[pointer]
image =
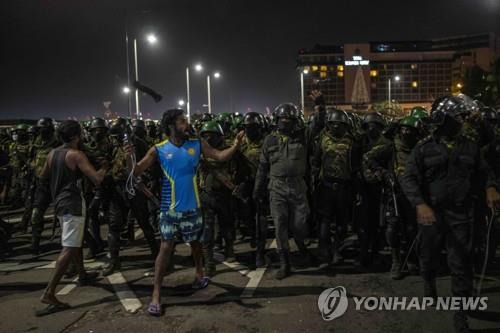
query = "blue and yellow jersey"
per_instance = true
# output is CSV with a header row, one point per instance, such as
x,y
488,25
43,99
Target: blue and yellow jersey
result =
x,y
179,191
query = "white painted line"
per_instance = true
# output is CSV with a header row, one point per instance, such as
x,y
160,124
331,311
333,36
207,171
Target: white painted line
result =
x,y
138,234
18,219
127,297
12,267
91,265
68,288
253,284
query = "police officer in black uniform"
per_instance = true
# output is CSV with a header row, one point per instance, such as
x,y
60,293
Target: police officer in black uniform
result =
x,y
440,180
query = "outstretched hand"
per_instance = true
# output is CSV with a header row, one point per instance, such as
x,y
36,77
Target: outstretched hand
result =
x,y
238,140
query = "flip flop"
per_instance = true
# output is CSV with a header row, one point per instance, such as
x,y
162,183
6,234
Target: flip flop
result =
x,y
201,284
155,309
52,308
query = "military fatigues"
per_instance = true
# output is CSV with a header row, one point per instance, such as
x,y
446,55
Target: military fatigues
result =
x,y
39,153
96,197
386,164
246,178
444,174
19,156
284,160
335,162
369,218
5,169
121,203
216,206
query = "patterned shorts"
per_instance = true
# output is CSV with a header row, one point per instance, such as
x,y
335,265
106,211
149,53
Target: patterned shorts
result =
x,y
189,224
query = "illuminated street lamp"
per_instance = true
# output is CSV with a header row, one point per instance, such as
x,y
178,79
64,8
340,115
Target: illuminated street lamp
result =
x,y
151,39
216,76
181,102
302,73
397,78
126,90
198,67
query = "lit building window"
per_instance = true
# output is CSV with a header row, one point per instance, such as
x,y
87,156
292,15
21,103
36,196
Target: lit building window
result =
x,y
414,84
340,74
373,73
322,75
459,85
324,68
315,68
340,68
307,68
413,66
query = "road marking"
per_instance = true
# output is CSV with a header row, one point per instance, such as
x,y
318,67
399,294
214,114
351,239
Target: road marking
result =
x,y
68,288
18,219
91,265
126,296
254,276
12,267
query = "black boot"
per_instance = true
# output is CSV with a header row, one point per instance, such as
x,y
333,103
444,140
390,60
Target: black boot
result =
x,y
229,251
209,263
111,267
396,273
306,258
260,260
284,269
430,289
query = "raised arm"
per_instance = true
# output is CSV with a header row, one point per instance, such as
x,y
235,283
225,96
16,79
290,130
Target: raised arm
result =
x,y
221,155
147,161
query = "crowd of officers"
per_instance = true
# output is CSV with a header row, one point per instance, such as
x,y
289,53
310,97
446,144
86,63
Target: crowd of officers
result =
x,y
334,175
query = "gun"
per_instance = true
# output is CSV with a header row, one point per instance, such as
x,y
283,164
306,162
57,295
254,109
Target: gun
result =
x,y
236,190
258,235
392,183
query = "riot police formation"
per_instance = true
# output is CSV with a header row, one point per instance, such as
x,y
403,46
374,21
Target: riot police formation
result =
x,y
355,183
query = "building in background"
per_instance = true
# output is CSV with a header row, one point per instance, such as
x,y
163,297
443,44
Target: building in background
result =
x,y
357,75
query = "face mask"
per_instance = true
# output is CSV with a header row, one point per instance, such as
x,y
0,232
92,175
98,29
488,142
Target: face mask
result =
x,y
337,130
408,137
374,131
140,132
98,136
214,140
451,127
46,134
152,132
15,137
286,127
252,133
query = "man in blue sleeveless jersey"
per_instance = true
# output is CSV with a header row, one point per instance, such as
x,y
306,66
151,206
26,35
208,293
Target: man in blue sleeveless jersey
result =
x,y
180,204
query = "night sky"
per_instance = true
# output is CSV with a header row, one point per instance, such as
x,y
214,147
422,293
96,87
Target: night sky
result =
x,y
64,58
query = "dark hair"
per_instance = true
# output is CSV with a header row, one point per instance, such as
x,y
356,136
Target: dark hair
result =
x,y
169,118
68,130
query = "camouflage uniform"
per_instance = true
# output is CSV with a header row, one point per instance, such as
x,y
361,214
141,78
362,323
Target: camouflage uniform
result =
x,y
335,163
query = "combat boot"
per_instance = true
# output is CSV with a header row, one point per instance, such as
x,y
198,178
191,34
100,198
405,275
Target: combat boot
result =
x,y
111,267
284,269
260,260
396,273
209,263
229,251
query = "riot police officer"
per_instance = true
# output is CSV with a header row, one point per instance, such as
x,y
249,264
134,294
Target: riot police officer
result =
x,y
19,154
386,164
253,214
121,200
335,164
45,142
440,180
284,160
215,179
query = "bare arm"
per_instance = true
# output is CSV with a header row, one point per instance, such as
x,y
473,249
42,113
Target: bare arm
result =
x,y
46,167
82,163
147,161
221,155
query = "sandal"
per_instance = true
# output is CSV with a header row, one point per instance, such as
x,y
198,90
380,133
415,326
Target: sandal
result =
x,y
155,309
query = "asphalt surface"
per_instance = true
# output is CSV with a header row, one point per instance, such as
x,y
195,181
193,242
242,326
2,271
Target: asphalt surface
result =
x,y
240,297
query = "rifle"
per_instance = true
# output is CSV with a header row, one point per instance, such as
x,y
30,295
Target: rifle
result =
x,y
258,235
236,190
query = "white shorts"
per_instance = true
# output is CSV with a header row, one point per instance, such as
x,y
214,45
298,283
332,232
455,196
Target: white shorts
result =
x,y
73,228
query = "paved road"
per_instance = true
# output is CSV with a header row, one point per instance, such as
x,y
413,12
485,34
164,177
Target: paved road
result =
x,y
239,299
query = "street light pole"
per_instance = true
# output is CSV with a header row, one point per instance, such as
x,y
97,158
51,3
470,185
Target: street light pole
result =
x,y
128,72
389,90
302,90
188,104
137,111
208,94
